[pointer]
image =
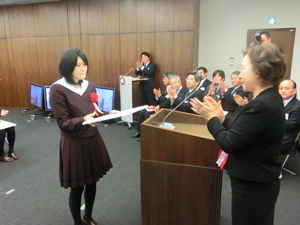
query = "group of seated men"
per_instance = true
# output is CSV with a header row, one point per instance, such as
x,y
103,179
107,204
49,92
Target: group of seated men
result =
x,y
172,95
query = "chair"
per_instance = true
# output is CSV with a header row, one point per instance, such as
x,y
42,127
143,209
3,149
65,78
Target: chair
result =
x,y
294,151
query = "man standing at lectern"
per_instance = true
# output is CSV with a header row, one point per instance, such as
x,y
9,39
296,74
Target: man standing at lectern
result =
x,y
146,69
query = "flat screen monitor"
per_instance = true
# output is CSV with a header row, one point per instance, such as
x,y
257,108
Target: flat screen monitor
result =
x,y
47,98
106,101
36,96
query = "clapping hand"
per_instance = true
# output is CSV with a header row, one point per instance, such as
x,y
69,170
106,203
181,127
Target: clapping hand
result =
x,y
139,64
4,112
157,92
208,109
223,86
240,101
211,89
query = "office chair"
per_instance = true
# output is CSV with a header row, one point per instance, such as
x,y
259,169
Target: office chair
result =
x,y
294,151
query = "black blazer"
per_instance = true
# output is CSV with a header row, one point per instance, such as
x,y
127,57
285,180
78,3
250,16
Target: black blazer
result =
x,y
163,95
292,125
147,72
253,137
228,102
186,105
180,97
205,87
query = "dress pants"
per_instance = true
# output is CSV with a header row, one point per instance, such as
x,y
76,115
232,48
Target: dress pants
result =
x,y
143,115
253,203
148,98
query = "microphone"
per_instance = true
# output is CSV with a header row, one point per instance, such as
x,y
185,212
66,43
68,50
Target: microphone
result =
x,y
170,125
128,71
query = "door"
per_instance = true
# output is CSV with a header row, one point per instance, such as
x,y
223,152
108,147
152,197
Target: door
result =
x,y
283,38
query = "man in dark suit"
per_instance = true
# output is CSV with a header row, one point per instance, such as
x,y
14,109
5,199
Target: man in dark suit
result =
x,y
160,96
204,83
176,87
192,82
287,90
217,88
228,102
146,69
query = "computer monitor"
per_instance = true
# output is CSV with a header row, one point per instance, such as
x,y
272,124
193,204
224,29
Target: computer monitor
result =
x,y
37,96
47,98
106,101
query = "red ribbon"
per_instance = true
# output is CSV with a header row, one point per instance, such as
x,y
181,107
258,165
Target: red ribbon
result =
x,y
94,98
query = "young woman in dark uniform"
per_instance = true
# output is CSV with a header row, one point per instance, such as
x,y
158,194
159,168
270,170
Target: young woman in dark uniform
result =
x,y
83,156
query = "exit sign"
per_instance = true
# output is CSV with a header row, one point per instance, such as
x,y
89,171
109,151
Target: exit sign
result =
x,y
272,21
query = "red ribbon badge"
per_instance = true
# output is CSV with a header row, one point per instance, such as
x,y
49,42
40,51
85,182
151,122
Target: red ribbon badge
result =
x,y
94,99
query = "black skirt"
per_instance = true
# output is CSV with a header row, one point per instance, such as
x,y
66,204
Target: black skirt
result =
x,y
82,160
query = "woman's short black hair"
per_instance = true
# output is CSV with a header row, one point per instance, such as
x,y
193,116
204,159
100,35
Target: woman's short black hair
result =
x,y
68,63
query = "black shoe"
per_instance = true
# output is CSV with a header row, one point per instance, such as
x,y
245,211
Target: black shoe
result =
x,y
136,135
138,139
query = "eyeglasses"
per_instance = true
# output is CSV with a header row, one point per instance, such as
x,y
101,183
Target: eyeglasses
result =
x,y
175,82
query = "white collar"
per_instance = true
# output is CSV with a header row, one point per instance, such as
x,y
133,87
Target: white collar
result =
x,y
71,87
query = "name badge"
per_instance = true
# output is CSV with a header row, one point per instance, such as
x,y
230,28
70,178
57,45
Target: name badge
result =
x,y
222,159
202,88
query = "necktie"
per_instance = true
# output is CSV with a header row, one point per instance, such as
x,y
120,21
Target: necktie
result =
x,y
187,94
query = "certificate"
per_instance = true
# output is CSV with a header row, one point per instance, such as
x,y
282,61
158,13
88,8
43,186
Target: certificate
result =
x,y
113,116
4,124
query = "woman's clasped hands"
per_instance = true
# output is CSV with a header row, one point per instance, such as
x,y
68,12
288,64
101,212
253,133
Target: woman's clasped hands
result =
x,y
208,109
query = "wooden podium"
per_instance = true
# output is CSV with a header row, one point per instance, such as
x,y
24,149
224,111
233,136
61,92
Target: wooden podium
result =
x,y
180,181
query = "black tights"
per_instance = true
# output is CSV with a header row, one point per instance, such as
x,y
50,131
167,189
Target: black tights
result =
x,y
75,202
11,136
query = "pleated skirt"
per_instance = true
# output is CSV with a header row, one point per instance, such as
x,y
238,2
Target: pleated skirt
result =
x,y
82,160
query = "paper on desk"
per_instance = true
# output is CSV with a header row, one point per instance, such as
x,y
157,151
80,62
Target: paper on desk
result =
x,y
4,124
113,116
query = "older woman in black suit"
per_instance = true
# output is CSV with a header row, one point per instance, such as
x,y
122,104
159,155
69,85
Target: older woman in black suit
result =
x,y
251,139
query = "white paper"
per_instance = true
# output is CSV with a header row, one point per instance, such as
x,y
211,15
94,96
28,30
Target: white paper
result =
x,y
4,124
113,116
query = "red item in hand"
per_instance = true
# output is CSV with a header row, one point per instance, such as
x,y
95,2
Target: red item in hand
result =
x,y
94,98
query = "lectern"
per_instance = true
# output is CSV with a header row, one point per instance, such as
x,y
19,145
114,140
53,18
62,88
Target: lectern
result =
x,y
180,181
126,96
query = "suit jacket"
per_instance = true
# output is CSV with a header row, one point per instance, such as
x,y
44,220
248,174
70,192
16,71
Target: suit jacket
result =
x,y
147,72
205,87
167,104
186,105
253,137
217,95
163,95
228,102
292,125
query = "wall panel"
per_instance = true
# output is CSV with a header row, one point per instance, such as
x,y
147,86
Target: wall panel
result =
x,y
103,16
164,54
184,15
183,58
145,15
21,21
164,15
73,17
49,57
2,26
128,16
51,19
8,86
26,66
75,41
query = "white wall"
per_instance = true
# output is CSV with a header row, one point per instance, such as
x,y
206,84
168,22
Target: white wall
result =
x,y
224,25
